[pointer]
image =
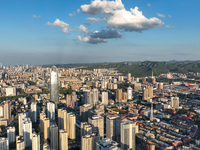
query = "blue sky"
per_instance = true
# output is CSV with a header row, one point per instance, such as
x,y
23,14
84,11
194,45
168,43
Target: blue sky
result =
x,y
48,31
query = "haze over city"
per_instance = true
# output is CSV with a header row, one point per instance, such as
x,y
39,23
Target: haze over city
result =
x,y
57,32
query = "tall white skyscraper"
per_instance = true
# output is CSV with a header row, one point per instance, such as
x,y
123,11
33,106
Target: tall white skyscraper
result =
x,y
34,112
51,110
105,98
4,145
129,93
27,132
11,134
35,141
21,117
54,88
128,131
95,95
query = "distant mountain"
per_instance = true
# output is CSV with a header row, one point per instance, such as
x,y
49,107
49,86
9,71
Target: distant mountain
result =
x,y
139,69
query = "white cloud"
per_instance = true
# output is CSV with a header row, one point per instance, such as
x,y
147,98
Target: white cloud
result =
x,y
60,24
36,16
118,17
161,15
106,34
88,39
93,19
170,27
83,28
169,16
72,14
78,10
149,5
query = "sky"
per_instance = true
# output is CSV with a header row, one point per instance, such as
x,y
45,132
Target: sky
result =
x,y
39,32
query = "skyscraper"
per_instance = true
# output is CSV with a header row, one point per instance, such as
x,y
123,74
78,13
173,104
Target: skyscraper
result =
x,y
11,134
97,123
21,117
51,111
85,112
129,77
7,111
63,140
86,128
20,143
27,132
88,142
129,91
54,136
104,98
4,145
34,112
118,96
72,124
113,127
1,111
35,141
128,131
54,88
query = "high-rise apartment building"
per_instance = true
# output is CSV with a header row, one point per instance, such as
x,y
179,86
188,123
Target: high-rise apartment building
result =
x,y
27,132
113,127
1,111
128,131
68,100
35,141
4,145
174,102
129,77
20,143
51,111
85,112
54,136
88,142
54,91
7,111
21,117
71,118
124,97
44,126
34,112
63,140
97,123
104,98
129,93
11,134
118,96
147,92
86,128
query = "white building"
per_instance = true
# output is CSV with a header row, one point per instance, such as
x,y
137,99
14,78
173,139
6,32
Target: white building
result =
x,y
106,144
27,132
21,117
105,98
129,93
11,91
34,112
11,134
35,141
51,110
4,145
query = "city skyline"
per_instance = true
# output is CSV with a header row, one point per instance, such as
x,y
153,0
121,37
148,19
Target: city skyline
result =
x,y
64,32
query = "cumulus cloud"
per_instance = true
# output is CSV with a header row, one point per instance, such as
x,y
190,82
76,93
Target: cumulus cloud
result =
x,y
106,34
83,28
36,16
161,15
118,17
88,39
60,24
93,19
100,36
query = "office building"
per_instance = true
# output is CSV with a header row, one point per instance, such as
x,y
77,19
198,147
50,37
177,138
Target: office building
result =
x,y
113,127
34,112
129,93
35,141
97,123
51,111
85,112
20,143
104,98
128,131
54,89
4,145
54,136
63,140
11,134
